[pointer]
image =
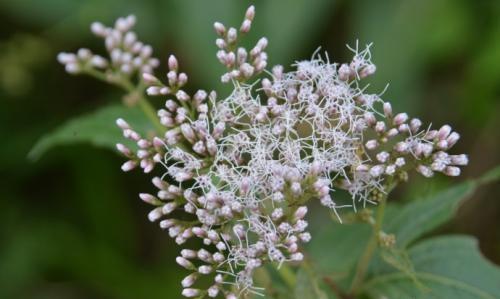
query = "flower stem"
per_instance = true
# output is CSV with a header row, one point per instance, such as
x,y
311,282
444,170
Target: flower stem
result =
x,y
365,260
288,276
150,112
314,280
138,90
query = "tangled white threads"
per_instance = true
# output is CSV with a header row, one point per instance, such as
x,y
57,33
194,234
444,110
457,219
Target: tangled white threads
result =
x,y
240,170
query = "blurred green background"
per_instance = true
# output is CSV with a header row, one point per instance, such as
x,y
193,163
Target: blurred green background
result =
x,y
71,223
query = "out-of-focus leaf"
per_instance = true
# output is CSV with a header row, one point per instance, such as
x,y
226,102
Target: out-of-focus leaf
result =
x,y
335,250
97,128
420,217
490,176
449,267
307,286
95,202
398,258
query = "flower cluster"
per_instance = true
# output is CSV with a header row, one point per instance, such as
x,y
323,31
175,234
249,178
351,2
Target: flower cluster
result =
x,y
238,171
127,55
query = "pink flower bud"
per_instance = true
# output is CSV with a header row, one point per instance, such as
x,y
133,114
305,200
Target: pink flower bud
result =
x,y
250,13
392,132
452,139
232,35
123,149
129,165
191,293
150,199
401,147
155,214
371,144
219,28
150,79
380,127
153,91
300,213
344,72
459,160
189,280
98,29
370,118
245,26
415,125
173,64
452,171
205,269
400,118
443,132
213,291
387,109
425,171
377,170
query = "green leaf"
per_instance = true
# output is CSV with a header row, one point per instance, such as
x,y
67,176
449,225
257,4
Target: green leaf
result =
x,y
97,128
337,247
304,287
398,258
491,176
420,217
307,286
449,267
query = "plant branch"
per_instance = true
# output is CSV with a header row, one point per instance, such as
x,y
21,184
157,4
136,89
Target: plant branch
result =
x,y
314,279
336,289
365,260
150,112
288,276
135,90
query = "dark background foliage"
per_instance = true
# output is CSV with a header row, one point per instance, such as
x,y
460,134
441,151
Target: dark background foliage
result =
x,y
71,223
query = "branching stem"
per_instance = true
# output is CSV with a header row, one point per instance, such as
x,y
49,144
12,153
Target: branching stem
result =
x,y
135,90
366,258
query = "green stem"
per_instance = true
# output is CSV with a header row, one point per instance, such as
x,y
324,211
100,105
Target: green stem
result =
x,y
288,276
150,112
314,279
365,260
138,90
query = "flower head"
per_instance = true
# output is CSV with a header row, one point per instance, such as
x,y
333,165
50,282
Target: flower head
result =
x,y
242,168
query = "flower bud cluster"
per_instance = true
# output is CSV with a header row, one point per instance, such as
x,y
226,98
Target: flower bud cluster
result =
x,y
239,171
242,64
398,144
127,55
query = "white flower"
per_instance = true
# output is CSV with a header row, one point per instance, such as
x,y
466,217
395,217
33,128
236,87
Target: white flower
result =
x,y
242,168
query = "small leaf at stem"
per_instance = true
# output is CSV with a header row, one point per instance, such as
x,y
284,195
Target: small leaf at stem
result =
x,y
97,128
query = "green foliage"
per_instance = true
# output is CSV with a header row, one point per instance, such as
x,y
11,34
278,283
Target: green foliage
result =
x,y
337,247
449,267
97,128
422,216
110,273
490,176
398,258
307,285
72,240
442,267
